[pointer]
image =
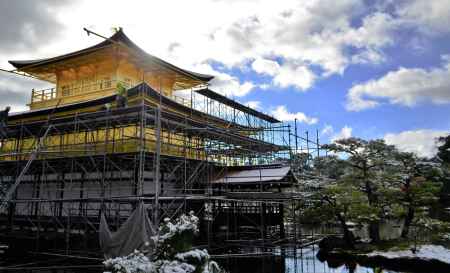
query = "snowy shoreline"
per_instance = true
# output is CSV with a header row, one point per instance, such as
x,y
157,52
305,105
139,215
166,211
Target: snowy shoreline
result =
x,y
424,252
427,258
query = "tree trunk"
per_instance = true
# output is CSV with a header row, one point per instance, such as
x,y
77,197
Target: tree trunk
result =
x,y
410,216
408,220
348,235
374,231
374,226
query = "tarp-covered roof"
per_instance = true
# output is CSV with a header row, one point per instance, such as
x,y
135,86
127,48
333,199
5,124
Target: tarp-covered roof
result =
x,y
255,174
232,103
119,37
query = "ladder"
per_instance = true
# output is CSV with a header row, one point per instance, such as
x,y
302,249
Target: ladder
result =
x,y
33,155
37,148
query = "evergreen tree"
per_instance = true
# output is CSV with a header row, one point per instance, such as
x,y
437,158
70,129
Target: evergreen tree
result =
x,y
375,182
419,183
444,149
366,160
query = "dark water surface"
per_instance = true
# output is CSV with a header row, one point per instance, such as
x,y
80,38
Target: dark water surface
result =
x,y
284,261
301,261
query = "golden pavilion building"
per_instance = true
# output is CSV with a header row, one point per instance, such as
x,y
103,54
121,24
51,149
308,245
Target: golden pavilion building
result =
x,y
175,146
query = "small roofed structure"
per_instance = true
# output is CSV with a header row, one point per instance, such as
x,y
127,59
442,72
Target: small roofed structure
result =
x,y
252,176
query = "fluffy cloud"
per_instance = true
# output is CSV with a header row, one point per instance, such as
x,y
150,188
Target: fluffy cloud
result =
x,y
281,113
25,24
421,142
345,132
326,35
296,34
224,83
298,76
432,17
230,86
327,130
253,104
264,66
405,86
285,75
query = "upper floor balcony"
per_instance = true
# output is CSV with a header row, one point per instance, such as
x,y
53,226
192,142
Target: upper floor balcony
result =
x,y
67,94
72,93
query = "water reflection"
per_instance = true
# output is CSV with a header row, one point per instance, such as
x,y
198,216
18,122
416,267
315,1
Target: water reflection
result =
x,y
294,261
286,260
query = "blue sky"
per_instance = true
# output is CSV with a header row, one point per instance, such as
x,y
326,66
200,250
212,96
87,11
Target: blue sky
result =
x,y
370,69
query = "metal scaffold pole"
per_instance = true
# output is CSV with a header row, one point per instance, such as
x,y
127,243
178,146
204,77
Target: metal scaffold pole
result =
x,y
296,136
157,163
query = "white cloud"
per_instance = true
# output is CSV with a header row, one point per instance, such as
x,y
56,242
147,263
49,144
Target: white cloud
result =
x,y
264,66
281,113
295,32
405,86
345,132
327,130
298,34
254,104
264,86
288,74
431,16
298,76
226,84
421,142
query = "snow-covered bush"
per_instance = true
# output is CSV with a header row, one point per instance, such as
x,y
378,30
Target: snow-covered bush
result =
x,y
176,237
173,254
175,266
136,262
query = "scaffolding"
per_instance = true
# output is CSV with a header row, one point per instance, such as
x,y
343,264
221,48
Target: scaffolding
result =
x,y
107,161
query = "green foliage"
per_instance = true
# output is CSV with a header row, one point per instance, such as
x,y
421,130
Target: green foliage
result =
x,y
376,182
300,161
330,166
444,149
120,89
176,237
346,201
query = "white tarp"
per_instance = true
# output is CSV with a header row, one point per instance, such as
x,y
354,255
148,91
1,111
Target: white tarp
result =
x,y
135,233
254,175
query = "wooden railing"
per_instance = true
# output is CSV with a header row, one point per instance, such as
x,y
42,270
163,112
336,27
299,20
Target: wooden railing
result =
x,y
181,100
74,90
43,95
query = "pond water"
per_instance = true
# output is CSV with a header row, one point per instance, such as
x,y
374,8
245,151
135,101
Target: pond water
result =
x,y
284,261
301,261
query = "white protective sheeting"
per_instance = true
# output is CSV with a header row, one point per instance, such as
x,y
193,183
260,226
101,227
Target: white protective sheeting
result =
x,y
254,175
135,233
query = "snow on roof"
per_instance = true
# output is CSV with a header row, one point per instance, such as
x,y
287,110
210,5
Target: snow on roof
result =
x,y
254,175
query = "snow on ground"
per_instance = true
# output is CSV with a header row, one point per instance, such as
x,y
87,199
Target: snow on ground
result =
x,y
184,262
134,263
197,254
425,252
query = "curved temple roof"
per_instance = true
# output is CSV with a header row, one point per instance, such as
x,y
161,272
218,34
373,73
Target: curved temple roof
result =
x,y
118,37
